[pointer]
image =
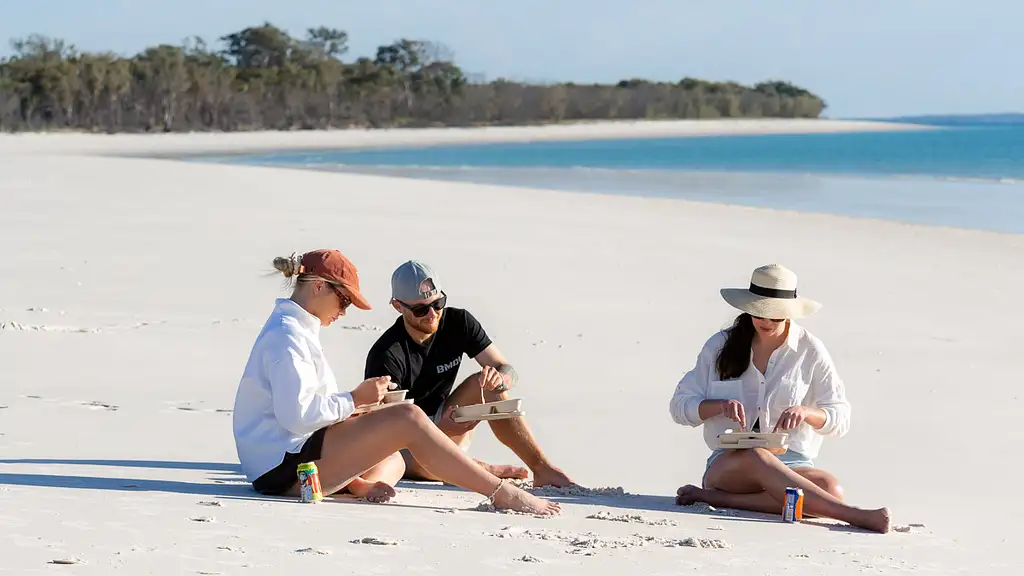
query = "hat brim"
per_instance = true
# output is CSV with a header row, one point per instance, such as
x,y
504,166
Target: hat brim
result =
x,y
765,307
358,300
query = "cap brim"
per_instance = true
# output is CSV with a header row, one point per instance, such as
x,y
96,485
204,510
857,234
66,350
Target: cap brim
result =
x,y
764,307
358,300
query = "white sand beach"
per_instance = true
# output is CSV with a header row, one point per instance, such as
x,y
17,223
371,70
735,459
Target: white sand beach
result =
x,y
173,144
131,290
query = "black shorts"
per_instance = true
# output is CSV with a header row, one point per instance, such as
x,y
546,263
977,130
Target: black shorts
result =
x,y
285,475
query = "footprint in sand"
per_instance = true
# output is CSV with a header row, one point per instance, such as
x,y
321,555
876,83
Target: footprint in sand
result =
x,y
588,543
530,559
692,542
363,328
908,528
98,404
375,541
210,503
631,519
203,519
19,327
187,407
312,551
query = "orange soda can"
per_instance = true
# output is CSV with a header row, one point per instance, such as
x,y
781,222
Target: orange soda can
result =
x,y
793,511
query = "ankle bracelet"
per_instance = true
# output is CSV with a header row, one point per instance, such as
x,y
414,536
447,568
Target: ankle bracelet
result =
x,y
493,494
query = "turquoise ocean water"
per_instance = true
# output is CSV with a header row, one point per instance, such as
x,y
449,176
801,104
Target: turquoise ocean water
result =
x,y
968,176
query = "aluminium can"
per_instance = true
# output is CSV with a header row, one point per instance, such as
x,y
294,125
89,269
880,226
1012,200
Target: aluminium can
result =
x,y
309,483
793,511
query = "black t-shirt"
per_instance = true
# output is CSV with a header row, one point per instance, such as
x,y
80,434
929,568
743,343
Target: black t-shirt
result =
x,y
428,370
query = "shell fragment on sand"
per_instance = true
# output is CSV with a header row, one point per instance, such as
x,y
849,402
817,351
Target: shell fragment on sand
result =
x,y
67,561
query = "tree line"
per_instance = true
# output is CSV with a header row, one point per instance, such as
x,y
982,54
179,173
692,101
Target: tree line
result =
x,y
262,78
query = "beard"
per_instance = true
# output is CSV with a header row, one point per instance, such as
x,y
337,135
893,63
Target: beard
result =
x,y
426,325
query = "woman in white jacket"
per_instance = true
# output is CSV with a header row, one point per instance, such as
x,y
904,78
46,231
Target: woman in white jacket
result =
x,y
289,410
768,374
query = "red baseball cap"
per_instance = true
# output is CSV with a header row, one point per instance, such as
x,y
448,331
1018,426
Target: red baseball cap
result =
x,y
333,266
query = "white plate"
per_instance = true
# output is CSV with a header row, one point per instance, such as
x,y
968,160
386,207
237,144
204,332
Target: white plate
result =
x,y
476,410
496,416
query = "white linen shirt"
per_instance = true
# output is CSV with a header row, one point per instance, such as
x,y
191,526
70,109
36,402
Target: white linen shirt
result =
x,y
800,372
287,391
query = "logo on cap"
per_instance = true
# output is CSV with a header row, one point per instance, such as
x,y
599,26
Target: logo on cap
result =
x,y
414,280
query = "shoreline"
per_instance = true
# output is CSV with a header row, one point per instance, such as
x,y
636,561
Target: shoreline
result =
x,y
886,198
186,144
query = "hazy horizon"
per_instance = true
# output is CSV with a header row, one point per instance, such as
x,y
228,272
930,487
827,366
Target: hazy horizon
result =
x,y
867,59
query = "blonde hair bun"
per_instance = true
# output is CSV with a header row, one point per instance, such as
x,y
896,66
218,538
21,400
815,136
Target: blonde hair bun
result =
x,y
289,266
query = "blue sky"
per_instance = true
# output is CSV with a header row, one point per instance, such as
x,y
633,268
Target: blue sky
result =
x,y
865,57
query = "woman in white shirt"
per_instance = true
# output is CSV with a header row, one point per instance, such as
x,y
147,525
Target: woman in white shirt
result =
x,y
289,410
768,374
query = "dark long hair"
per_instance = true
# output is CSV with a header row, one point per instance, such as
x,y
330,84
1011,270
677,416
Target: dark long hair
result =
x,y
734,357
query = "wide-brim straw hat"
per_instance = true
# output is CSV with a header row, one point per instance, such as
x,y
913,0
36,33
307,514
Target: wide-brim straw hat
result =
x,y
771,294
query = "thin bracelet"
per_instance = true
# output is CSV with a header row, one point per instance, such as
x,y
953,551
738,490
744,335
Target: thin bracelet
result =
x,y
491,497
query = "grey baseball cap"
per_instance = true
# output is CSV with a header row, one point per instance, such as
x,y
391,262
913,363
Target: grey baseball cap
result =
x,y
414,280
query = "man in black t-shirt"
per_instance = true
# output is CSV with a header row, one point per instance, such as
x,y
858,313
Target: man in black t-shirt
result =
x,y
422,353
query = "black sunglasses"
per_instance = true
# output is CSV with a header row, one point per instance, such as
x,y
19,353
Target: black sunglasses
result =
x,y
345,301
420,310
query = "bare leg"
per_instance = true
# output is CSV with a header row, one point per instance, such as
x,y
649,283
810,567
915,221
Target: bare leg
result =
x,y
466,394
377,484
748,472
355,445
760,501
414,471
513,433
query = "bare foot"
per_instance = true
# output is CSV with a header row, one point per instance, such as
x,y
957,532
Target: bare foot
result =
x,y
688,494
512,498
550,476
378,492
876,520
506,471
